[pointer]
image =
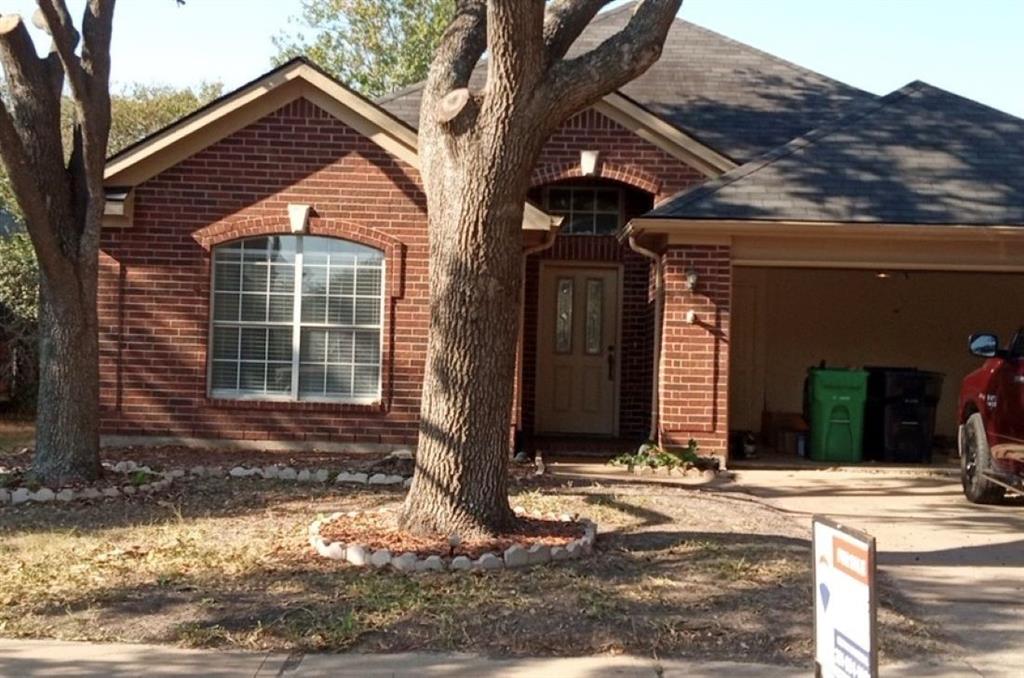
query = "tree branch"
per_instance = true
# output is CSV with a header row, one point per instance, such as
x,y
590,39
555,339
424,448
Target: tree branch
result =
x,y
57,21
458,53
516,49
574,84
564,21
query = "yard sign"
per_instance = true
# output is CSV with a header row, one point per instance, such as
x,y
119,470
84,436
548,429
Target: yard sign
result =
x,y
845,643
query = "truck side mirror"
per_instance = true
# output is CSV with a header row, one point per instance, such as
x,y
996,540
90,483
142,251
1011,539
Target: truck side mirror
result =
x,y
984,345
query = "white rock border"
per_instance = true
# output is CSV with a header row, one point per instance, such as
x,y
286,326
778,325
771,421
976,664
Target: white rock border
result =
x,y
515,556
163,479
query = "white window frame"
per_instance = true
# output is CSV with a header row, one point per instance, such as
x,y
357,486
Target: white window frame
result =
x,y
574,188
296,326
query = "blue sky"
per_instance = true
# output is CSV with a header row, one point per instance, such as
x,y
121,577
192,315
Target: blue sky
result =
x,y
972,48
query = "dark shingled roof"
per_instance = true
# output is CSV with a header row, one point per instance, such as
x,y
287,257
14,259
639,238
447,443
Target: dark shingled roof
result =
x,y
920,155
738,100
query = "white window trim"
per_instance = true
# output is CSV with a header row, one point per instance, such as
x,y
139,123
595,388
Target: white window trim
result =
x,y
296,325
585,187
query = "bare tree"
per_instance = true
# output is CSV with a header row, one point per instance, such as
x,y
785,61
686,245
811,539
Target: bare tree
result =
x,y
477,151
61,197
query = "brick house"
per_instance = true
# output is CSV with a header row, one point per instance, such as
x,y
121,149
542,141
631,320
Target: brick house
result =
x,y
264,261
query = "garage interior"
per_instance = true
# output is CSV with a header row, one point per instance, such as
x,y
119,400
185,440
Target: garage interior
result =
x,y
788,319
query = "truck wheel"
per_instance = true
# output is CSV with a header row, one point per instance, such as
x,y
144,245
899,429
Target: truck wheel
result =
x,y
975,461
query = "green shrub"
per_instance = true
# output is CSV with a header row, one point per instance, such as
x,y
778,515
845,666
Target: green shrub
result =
x,y
650,455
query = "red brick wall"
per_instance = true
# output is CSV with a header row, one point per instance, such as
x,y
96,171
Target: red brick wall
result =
x,y
625,159
695,363
155,278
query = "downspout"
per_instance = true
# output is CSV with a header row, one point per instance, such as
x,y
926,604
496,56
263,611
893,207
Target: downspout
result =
x,y
659,303
549,240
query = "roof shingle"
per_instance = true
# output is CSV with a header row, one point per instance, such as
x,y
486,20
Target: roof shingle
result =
x,y
920,155
738,100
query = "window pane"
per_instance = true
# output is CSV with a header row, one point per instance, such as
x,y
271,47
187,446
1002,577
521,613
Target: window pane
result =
x,y
254,308
314,309
339,310
366,381
342,281
254,278
280,308
225,306
225,375
225,343
314,280
367,347
559,199
254,343
368,282
606,223
311,380
252,376
279,344
595,315
581,223
583,200
339,346
313,346
279,377
282,279
282,249
608,201
227,277
563,317
339,380
367,311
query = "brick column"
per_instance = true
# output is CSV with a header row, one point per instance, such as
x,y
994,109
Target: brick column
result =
x,y
695,356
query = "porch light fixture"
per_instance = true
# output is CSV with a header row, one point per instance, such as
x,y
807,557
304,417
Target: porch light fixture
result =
x,y
691,279
588,162
882,275
298,216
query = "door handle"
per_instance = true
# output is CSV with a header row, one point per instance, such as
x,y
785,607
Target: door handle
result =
x,y
611,363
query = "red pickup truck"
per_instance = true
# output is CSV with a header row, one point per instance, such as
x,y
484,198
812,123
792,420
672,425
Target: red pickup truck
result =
x,y
992,421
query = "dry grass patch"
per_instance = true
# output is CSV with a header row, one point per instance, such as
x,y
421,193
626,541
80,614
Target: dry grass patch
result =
x,y
226,563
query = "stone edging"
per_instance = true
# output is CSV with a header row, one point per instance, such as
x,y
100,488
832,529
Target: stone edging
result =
x,y
163,479
515,556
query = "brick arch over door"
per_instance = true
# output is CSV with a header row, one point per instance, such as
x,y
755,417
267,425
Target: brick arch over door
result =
x,y
631,176
220,233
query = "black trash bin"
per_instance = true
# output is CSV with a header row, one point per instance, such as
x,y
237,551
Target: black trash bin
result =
x,y
899,419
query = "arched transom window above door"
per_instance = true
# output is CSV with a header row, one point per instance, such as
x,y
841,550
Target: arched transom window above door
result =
x,y
296,318
588,210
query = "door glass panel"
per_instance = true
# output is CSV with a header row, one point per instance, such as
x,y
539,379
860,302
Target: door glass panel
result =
x,y
563,316
595,311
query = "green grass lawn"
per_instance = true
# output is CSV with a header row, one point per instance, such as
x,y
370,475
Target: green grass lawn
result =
x,y
15,434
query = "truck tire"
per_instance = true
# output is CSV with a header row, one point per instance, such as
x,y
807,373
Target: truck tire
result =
x,y
975,461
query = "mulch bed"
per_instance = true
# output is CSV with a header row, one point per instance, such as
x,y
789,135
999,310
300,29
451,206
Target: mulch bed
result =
x,y
380,531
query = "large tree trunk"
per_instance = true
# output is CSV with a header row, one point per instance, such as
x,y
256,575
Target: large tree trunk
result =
x,y
477,151
475,221
61,195
67,420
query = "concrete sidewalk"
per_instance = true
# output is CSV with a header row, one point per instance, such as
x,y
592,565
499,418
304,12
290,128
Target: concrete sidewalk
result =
x,y
58,658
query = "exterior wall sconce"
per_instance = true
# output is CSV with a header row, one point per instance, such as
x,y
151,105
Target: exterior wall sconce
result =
x,y
691,279
588,162
298,216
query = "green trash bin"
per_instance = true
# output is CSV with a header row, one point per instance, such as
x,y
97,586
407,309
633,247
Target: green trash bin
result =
x,y
836,401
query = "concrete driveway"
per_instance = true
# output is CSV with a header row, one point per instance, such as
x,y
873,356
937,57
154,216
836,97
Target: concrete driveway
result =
x,y
962,563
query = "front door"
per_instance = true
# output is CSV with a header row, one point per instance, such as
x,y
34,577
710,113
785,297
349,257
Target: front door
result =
x,y
578,350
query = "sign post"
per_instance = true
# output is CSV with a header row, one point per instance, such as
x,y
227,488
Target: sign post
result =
x,y
845,601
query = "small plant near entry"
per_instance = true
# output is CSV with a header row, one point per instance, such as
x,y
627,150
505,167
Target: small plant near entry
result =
x,y
653,456
140,477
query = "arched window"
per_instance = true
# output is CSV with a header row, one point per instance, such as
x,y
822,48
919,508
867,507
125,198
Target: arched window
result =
x,y
296,318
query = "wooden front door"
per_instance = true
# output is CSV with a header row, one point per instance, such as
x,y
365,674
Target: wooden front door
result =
x,y
578,350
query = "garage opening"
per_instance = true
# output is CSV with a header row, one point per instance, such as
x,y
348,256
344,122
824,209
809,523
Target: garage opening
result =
x,y
788,320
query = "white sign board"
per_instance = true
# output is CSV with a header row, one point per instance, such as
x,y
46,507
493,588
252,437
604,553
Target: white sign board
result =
x,y
844,602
